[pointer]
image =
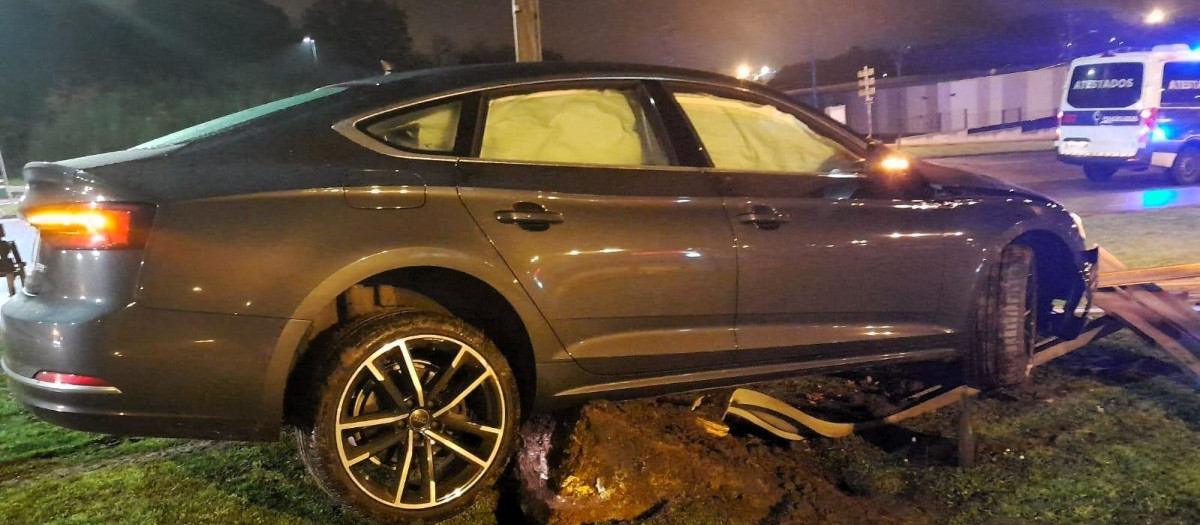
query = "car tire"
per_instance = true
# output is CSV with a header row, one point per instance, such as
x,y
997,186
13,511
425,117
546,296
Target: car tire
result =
x,y
372,435
1006,322
1186,170
1099,173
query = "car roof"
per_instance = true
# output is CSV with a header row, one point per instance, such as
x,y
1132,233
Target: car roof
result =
x,y
430,81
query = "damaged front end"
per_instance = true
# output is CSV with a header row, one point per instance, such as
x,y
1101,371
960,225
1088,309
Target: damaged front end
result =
x,y
1068,323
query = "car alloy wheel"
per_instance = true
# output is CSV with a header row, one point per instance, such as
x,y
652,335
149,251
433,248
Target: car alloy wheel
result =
x,y
414,415
420,421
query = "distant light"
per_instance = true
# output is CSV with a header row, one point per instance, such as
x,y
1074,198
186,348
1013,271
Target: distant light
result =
x,y
1156,17
895,163
1092,72
743,71
1113,39
765,70
308,40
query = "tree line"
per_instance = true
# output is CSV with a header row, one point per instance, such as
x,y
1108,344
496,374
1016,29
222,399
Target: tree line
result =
x,y
82,77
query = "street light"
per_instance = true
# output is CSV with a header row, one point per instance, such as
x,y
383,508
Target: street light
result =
x,y
1156,17
312,45
763,74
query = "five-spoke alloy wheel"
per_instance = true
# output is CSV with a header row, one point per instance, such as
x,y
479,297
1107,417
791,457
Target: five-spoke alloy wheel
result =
x,y
416,416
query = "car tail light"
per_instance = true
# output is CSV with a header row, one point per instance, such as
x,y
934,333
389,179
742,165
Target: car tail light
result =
x,y
1149,119
92,226
60,378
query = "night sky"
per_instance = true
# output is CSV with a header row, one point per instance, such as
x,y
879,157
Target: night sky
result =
x,y
719,34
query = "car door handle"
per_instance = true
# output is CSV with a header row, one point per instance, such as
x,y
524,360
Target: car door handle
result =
x,y
529,216
764,217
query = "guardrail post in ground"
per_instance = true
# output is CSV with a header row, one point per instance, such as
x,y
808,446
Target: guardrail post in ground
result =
x,y
966,433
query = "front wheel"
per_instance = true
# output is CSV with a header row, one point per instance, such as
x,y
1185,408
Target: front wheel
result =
x,y
1099,173
415,414
1186,170
1006,322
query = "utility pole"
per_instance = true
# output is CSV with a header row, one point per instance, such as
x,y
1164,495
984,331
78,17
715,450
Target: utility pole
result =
x,y
866,90
527,30
812,51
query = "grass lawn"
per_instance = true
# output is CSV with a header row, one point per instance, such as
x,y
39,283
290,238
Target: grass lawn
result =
x,y
979,148
1150,238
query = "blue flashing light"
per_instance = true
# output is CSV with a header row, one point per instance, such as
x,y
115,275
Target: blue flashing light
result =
x,y
1159,198
1159,134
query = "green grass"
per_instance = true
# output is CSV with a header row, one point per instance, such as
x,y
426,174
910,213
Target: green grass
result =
x,y
980,148
1148,238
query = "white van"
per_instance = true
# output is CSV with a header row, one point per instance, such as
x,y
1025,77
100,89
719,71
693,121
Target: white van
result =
x,y
1133,110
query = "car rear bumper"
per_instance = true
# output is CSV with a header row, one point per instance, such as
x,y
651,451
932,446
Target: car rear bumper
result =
x,y
173,374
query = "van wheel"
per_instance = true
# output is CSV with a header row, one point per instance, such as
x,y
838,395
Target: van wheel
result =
x,y
1099,173
415,415
1006,322
1186,170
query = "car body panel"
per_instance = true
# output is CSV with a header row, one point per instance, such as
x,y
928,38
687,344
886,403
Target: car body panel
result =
x,y
641,257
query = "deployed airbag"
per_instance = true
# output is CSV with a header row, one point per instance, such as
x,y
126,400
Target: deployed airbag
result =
x,y
581,126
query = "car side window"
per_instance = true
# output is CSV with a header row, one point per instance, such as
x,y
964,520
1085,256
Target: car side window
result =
x,y
748,136
573,126
431,129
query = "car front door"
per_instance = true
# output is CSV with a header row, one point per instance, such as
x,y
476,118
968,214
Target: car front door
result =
x,y
628,255
828,262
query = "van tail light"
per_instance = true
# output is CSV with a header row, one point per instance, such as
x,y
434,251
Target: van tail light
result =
x,y
1058,134
92,226
1149,120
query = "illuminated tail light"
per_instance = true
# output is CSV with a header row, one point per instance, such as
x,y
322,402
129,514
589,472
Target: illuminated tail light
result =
x,y
1149,119
92,226
60,378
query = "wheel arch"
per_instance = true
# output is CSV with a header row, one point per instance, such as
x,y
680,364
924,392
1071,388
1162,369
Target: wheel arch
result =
x,y
482,294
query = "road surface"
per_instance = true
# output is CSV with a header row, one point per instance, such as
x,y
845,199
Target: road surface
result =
x,y
1128,191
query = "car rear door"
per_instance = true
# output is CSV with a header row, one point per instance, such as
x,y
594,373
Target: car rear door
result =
x,y
828,263
628,255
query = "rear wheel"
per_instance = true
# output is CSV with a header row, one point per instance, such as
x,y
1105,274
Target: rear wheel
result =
x,y
415,414
1099,173
1186,170
1006,322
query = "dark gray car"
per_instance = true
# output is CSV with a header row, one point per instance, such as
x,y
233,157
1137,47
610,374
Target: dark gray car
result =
x,y
402,267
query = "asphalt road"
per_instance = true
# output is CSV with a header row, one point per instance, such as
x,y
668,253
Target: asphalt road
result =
x,y
1128,191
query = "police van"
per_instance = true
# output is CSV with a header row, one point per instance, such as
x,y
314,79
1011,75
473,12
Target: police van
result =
x,y
1133,110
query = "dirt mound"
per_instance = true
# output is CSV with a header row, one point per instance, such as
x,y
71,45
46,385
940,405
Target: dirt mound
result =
x,y
654,461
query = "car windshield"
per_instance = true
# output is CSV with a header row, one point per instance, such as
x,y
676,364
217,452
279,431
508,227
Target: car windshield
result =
x,y
1097,86
218,125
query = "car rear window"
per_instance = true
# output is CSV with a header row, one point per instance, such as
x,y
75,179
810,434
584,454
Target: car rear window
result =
x,y
232,120
1113,85
1181,84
